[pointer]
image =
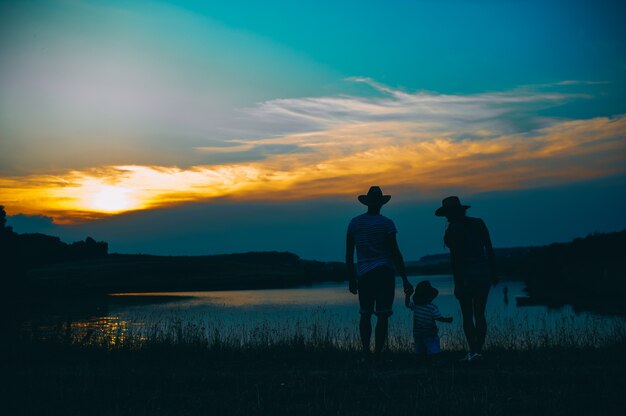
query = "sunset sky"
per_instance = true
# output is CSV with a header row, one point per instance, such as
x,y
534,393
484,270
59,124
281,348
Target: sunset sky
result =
x,y
198,127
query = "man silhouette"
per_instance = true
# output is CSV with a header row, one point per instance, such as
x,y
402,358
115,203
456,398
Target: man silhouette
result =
x,y
379,258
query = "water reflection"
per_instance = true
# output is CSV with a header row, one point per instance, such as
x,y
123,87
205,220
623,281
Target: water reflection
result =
x,y
298,297
324,313
106,330
109,331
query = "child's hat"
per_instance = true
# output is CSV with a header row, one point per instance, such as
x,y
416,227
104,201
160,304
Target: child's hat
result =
x,y
424,292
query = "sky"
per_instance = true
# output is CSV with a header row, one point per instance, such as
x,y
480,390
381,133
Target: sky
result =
x,y
197,127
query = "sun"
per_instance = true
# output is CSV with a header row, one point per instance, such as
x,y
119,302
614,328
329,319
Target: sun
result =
x,y
112,199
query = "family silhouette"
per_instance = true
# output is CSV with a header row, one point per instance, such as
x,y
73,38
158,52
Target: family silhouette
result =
x,y
379,260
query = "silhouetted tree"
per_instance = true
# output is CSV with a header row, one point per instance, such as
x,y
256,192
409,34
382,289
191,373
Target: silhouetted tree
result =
x,y
88,249
590,270
11,260
21,251
39,249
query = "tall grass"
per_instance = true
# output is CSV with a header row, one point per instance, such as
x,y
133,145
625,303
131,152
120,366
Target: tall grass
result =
x,y
310,366
323,330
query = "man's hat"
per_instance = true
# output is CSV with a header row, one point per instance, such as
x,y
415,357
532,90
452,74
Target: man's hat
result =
x,y
374,197
450,204
424,292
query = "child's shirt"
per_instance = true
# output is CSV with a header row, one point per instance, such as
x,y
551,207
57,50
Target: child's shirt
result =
x,y
424,319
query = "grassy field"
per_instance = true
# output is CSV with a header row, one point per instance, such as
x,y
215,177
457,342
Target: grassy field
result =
x,y
183,373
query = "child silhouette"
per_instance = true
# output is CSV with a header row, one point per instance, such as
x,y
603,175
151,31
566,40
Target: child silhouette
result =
x,y
425,332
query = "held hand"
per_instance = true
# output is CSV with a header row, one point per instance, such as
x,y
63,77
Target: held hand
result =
x,y
408,288
352,286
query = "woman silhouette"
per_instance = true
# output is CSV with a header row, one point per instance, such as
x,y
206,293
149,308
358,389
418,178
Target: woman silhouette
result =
x,y
473,268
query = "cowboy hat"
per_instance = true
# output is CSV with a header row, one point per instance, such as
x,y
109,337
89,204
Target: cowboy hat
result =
x,y
374,197
450,204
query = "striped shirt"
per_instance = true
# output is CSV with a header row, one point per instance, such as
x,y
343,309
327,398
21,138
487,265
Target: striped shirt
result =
x,y
424,319
370,233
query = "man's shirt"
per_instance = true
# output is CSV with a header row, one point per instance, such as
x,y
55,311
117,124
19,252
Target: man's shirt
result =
x,y
371,234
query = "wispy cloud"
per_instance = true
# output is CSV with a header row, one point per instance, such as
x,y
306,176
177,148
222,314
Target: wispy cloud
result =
x,y
339,145
581,82
449,110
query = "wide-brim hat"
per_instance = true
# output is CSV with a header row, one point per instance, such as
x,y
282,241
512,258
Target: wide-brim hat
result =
x,y
424,292
450,204
374,197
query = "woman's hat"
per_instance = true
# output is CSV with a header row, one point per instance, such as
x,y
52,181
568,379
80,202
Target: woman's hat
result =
x,y
374,197
424,292
450,204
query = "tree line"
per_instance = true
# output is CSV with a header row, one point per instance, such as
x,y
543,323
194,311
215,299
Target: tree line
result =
x,y
586,269
20,252
583,271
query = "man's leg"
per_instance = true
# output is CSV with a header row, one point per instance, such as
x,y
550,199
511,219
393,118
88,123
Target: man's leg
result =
x,y
380,336
365,328
366,302
385,291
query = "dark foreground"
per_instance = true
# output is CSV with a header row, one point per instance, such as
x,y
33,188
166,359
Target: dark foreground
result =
x,y
193,380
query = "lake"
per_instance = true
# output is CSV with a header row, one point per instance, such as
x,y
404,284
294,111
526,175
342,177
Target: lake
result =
x,y
326,312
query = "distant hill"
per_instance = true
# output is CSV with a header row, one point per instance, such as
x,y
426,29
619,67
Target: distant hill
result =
x,y
440,263
145,273
39,263
588,270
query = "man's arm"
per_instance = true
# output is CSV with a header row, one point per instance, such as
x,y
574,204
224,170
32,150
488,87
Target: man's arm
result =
x,y
398,261
447,319
407,300
352,285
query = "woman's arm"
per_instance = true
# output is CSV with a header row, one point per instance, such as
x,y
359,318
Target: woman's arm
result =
x,y
491,258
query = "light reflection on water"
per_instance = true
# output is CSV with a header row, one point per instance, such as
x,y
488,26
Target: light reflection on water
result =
x,y
330,312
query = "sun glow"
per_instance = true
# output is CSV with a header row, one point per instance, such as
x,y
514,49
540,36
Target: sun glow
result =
x,y
112,199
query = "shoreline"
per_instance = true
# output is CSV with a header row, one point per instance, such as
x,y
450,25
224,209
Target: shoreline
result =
x,y
37,295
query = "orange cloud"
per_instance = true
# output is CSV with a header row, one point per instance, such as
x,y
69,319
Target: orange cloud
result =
x,y
341,160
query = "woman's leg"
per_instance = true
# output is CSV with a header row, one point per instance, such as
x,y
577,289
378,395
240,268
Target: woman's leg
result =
x,y
469,328
480,303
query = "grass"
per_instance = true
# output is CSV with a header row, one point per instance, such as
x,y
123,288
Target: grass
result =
x,y
186,379
319,328
267,370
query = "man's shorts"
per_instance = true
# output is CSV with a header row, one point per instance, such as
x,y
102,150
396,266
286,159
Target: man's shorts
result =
x,y
426,345
377,289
